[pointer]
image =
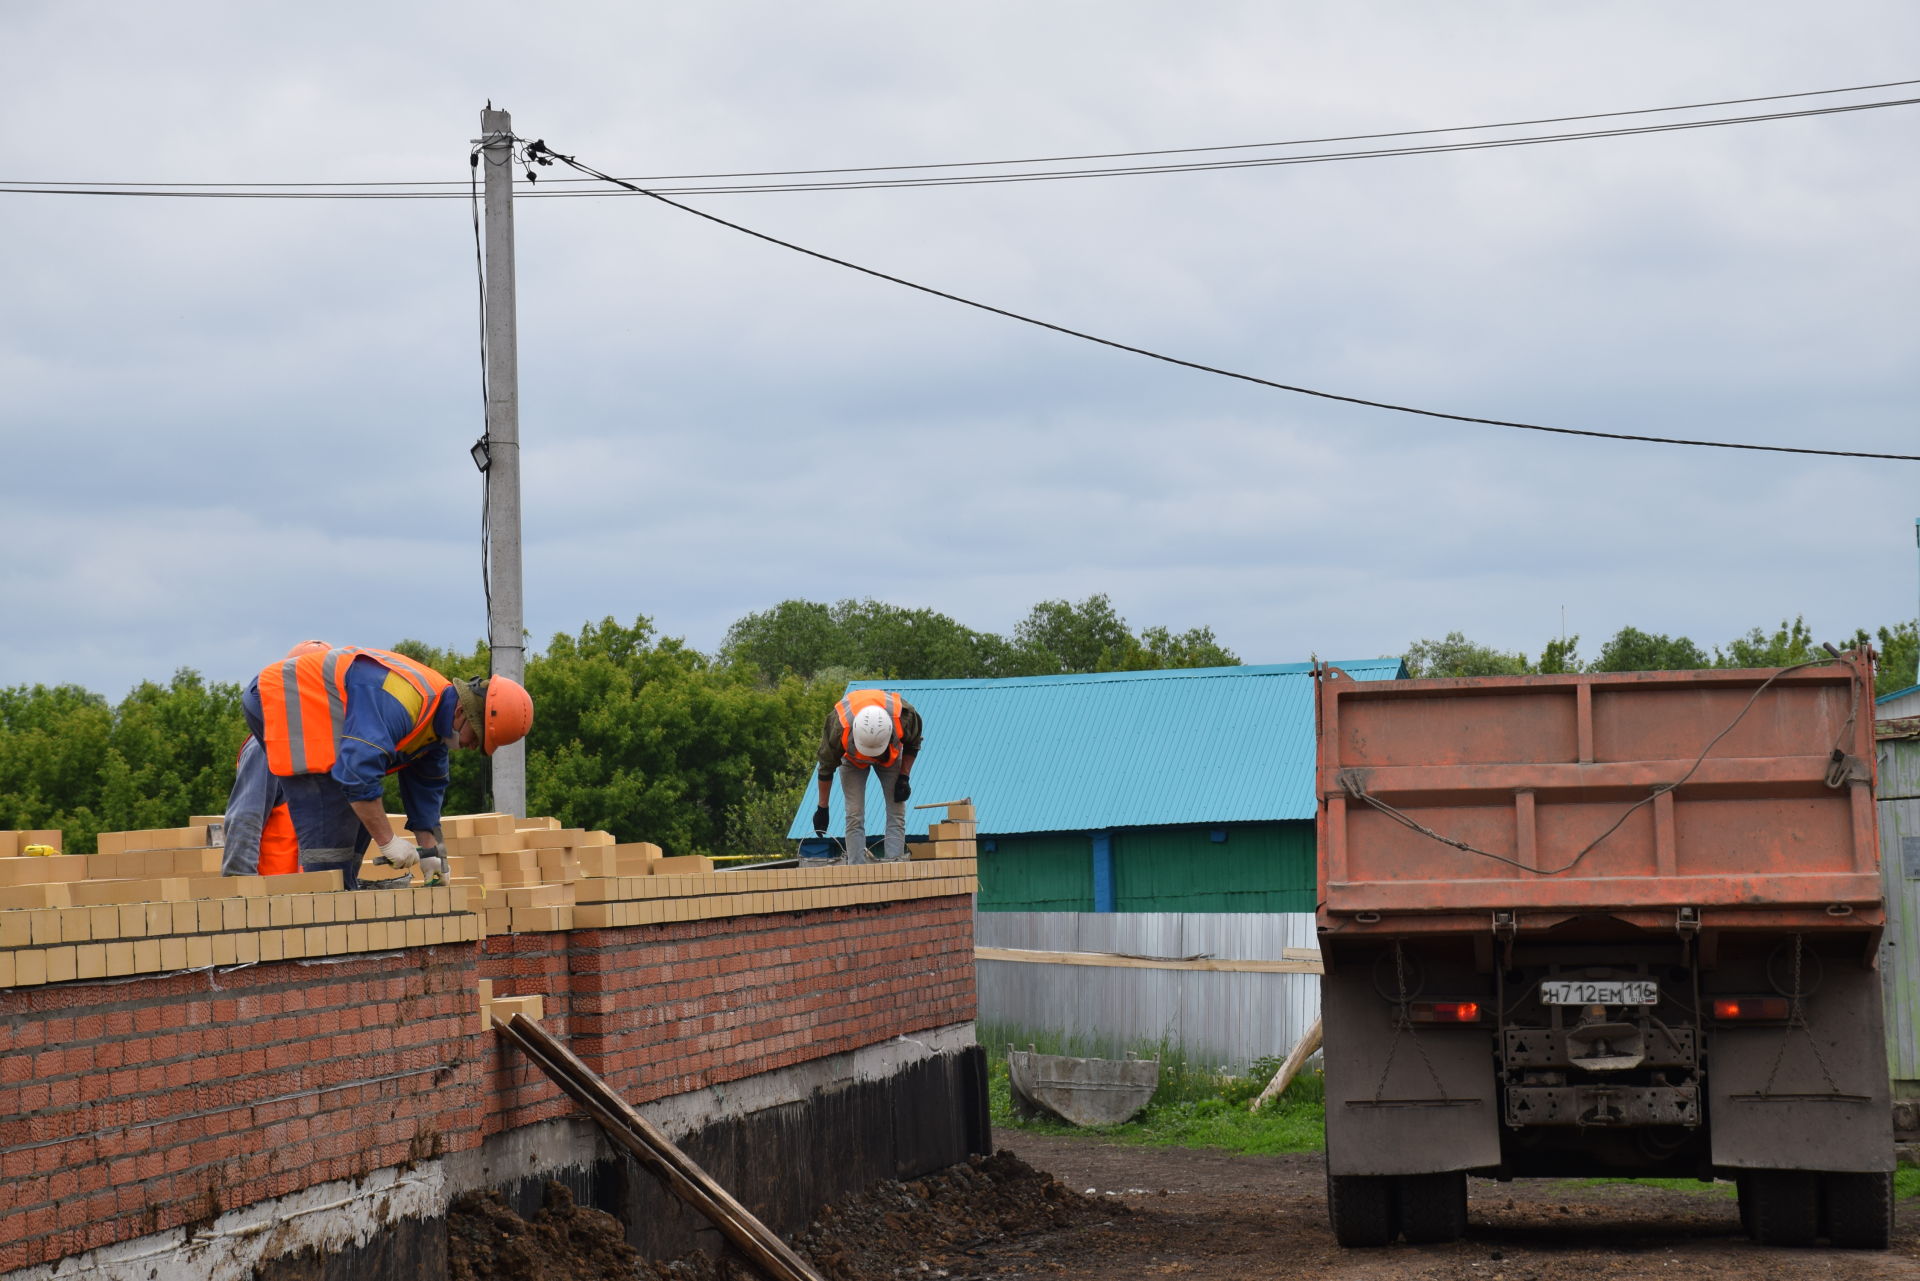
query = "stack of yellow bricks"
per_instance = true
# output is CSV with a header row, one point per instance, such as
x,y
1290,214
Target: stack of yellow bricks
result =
x,y
154,902
522,875
953,838
531,876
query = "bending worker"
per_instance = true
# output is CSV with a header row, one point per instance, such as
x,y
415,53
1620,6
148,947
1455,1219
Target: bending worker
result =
x,y
334,723
869,730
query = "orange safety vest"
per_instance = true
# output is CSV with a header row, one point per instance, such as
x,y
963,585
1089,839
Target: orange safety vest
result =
x,y
303,705
279,847
850,706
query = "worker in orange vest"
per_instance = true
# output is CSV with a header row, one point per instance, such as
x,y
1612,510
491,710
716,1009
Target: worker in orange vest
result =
x,y
869,731
333,723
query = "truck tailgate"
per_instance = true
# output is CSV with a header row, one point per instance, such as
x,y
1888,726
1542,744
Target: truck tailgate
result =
x,y
1565,789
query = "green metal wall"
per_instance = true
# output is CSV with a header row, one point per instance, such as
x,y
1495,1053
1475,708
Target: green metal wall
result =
x,y
1260,867
1047,872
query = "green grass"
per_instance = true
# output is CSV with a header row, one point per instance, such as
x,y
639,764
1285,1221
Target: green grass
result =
x,y
1906,1182
1196,1105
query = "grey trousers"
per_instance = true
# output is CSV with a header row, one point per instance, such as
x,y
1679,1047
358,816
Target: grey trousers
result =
x,y
853,793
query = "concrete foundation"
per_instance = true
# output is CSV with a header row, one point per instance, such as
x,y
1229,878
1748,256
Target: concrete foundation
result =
x,y
783,1142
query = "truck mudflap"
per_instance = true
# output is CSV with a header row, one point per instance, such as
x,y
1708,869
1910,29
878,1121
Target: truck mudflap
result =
x,y
1809,1092
1403,1099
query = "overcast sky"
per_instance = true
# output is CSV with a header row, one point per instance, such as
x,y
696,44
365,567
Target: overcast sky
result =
x,y
228,425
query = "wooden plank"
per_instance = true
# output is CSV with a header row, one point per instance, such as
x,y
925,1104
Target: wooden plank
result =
x,y
657,1153
1288,965
1296,1058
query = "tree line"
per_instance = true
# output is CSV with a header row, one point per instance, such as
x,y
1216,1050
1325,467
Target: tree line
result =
x,y
636,733
1632,650
651,739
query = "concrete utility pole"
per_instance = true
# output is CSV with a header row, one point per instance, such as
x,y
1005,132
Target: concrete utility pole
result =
x,y
506,623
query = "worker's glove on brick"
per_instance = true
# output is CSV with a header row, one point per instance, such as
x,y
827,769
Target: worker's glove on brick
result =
x,y
902,789
399,852
433,869
820,821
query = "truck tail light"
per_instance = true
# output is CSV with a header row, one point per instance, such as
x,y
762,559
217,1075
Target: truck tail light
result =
x,y
1730,1008
1444,1011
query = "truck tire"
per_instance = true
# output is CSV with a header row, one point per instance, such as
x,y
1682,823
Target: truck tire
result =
x,y
1859,1210
1433,1207
1743,1189
1786,1206
1361,1209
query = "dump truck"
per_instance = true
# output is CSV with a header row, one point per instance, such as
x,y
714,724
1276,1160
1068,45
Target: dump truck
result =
x,y
1603,925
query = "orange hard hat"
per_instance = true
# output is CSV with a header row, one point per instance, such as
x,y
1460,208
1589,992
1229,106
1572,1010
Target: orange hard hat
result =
x,y
307,647
508,712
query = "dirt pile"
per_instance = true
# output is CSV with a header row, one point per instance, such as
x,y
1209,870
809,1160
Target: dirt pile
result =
x,y
920,1228
487,1241
909,1229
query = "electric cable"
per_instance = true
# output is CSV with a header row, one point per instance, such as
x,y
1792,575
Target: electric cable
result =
x,y
486,430
417,191
538,149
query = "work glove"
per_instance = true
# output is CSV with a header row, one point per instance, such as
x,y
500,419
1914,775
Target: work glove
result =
x,y
902,789
433,868
820,821
399,852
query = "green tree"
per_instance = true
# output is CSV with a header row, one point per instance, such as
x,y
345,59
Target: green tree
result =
x,y
1058,637
1455,655
1561,655
1632,650
1788,644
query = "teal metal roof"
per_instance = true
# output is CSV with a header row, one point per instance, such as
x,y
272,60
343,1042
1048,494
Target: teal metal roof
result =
x,y
1112,749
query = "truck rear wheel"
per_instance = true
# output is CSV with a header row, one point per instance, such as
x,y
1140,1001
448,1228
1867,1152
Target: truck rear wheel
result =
x,y
1785,1206
1433,1207
1361,1209
1859,1210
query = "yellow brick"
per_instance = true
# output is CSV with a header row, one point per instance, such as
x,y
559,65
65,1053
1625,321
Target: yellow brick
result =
x,y
119,959
273,945
357,937
76,924
280,910
226,949
416,933
160,918
45,926
233,914
303,909
63,966
259,913
207,916
331,908
103,922
7,973
173,952
13,897
30,968
199,952
336,939
304,883
246,948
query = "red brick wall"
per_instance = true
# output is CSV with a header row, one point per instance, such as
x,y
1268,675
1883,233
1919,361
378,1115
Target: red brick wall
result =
x,y
134,1107
130,1107
661,1010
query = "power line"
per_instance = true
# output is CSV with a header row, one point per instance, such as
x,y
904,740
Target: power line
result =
x,y
428,189
541,153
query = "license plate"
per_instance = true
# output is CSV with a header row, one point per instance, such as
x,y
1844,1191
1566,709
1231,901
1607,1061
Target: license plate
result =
x,y
1600,992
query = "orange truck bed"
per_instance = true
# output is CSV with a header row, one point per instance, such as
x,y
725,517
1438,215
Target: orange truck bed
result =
x,y
1739,799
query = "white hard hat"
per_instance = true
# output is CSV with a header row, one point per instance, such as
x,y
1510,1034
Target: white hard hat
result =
x,y
872,731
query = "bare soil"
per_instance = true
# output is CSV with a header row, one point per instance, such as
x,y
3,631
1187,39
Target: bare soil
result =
x,y
1079,1209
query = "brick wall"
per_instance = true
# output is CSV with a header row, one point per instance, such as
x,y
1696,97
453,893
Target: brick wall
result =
x,y
133,1106
136,1106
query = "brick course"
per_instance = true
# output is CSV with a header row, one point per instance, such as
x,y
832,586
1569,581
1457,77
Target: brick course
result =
x,y
137,1105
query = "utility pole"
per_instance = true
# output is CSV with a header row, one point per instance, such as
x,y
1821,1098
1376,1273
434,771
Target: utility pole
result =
x,y
506,620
